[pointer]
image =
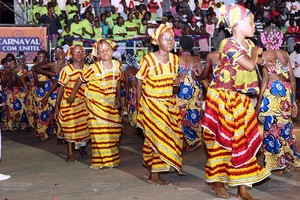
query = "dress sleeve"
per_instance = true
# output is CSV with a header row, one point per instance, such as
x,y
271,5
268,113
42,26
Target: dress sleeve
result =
x,y
64,77
87,74
144,69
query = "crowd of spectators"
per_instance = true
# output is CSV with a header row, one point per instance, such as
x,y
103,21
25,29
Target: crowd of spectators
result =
x,y
134,21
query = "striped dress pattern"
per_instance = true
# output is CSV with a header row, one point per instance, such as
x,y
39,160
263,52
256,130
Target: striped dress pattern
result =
x,y
104,119
230,123
159,114
73,117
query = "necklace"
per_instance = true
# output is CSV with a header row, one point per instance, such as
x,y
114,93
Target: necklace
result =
x,y
104,84
241,46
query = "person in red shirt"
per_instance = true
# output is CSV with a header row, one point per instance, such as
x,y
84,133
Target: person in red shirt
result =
x,y
152,7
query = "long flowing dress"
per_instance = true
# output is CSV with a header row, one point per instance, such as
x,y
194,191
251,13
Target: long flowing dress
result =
x,y
16,118
279,143
190,101
42,114
230,123
104,119
73,118
159,115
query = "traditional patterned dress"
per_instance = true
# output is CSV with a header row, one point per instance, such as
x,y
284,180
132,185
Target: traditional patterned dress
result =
x,y
230,124
189,98
159,115
104,119
16,116
279,143
7,93
73,117
42,114
29,102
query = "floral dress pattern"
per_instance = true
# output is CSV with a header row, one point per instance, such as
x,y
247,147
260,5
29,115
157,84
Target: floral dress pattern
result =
x,y
190,102
279,143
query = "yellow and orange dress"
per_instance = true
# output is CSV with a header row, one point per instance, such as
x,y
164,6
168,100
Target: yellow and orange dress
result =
x,y
159,115
104,119
73,118
230,123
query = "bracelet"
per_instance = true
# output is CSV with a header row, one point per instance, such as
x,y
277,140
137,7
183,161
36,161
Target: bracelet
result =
x,y
263,62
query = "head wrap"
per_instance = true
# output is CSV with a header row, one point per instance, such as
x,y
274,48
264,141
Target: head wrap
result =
x,y
271,37
69,52
231,14
95,46
158,31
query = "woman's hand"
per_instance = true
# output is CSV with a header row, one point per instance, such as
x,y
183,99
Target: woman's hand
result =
x,y
70,99
294,110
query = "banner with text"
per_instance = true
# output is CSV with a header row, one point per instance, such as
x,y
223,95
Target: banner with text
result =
x,y
30,40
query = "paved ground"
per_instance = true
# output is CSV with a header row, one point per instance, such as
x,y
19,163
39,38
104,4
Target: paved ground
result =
x,y
39,172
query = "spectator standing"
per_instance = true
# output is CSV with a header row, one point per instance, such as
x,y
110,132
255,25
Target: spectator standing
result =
x,y
76,31
119,33
71,10
87,29
96,5
105,6
132,30
52,22
153,7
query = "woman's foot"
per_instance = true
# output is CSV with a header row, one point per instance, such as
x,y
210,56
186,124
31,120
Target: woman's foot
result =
x,y
277,172
70,159
243,193
154,178
220,190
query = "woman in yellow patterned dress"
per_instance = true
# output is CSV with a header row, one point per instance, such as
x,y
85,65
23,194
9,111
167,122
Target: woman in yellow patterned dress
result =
x,y
230,123
159,115
72,117
189,96
103,96
277,105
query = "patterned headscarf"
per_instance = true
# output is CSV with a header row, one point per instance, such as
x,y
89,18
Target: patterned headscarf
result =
x,y
69,52
95,46
232,14
159,30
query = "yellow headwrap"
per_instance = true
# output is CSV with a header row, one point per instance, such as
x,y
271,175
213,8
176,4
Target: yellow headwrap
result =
x,y
232,14
95,46
69,51
162,28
